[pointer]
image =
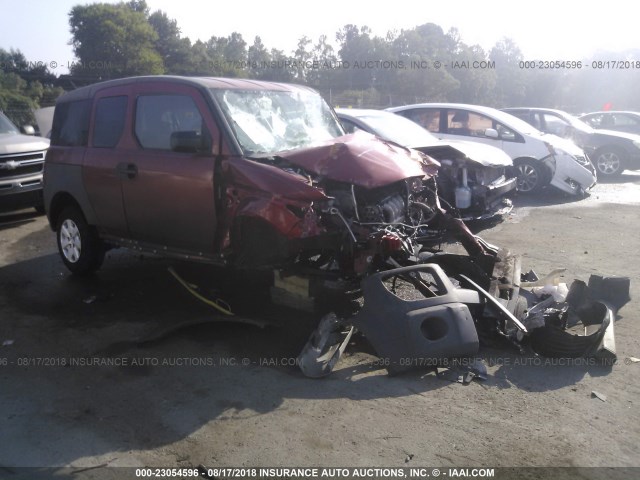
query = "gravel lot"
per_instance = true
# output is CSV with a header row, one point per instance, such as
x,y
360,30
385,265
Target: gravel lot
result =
x,y
223,394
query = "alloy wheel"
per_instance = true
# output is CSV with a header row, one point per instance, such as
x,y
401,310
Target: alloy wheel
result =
x,y
528,178
608,163
70,241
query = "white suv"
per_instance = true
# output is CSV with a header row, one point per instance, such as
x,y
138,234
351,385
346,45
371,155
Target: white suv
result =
x,y
541,159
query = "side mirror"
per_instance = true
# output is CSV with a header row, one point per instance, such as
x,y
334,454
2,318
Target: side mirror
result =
x,y
491,133
189,142
28,130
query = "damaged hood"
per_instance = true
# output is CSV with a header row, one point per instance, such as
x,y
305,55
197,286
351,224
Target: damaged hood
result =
x,y
405,132
362,159
484,155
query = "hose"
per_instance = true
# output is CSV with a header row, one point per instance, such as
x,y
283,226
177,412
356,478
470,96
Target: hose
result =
x,y
218,304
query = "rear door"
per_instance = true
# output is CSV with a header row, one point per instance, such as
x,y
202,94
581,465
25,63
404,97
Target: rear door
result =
x,y
168,190
110,116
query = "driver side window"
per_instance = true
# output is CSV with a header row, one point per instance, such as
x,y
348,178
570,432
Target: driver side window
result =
x,y
463,122
159,118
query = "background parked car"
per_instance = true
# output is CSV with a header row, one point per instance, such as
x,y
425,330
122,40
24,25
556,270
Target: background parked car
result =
x,y
473,178
620,121
21,164
539,158
611,152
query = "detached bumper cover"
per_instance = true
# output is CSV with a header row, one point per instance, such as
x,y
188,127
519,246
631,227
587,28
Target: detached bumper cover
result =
x,y
417,332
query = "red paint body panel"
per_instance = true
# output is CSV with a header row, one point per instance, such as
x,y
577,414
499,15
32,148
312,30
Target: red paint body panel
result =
x,y
363,160
265,178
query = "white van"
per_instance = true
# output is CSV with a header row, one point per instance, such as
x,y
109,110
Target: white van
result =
x,y
541,159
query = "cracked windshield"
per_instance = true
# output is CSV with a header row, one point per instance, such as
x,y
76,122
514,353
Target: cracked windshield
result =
x,y
267,122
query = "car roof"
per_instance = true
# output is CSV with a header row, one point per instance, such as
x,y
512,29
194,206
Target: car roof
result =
x,y
632,112
497,114
466,106
201,82
489,111
362,112
536,109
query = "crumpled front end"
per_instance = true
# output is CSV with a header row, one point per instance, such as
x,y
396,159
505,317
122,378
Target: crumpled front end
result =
x,y
340,207
572,171
573,174
474,181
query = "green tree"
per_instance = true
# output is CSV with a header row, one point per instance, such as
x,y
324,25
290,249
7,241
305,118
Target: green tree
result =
x,y
419,49
281,70
24,87
201,62
302,57
228,55
356,48
476,84
326,60
511,81
112,41
174,50
258,58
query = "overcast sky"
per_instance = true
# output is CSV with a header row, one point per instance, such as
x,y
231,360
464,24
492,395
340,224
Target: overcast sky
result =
x,y
545,29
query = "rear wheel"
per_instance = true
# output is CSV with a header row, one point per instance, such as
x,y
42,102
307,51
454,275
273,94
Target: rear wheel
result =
x,y
609,162
531,175
79,245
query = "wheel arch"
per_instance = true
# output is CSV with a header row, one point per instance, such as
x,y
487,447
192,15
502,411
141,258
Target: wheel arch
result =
x,y
58,203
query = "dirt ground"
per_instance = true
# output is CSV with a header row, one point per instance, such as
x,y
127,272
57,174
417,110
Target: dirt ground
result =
x,y
224,394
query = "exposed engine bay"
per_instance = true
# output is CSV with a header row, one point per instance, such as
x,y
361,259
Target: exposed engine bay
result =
x,y
365,252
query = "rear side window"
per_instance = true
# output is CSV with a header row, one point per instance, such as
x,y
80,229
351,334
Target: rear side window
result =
x,y
71,124
428,119
624,120
109,121
463,122
158,117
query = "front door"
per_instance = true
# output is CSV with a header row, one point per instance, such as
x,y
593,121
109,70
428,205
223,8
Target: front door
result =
x,y
168,187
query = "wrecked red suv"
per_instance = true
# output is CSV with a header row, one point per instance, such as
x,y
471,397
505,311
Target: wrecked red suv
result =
x,y
229,171
259,175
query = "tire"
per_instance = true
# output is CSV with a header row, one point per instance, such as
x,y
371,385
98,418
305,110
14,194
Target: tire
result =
x,y
609,162
532,176
79,245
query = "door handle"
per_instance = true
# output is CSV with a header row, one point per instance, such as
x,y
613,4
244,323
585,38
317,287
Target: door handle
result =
x,y
127,170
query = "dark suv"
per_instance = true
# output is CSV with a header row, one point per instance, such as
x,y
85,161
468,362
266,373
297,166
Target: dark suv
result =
x,y
21,163
232,172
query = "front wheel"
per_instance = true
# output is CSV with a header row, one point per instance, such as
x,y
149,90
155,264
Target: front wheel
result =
x,y
79,245
531,176
609,162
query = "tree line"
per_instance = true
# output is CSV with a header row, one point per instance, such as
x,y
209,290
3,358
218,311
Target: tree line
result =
x,y
421,64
